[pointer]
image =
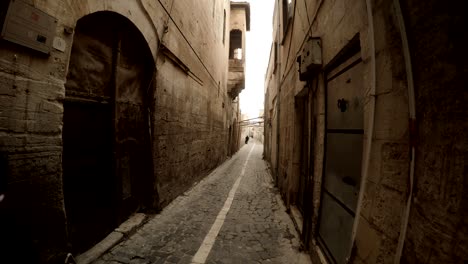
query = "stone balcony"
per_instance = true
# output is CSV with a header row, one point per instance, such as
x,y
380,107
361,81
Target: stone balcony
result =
x,y
236,77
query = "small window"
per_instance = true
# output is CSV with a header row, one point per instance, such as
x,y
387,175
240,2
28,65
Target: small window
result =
x,y
235,45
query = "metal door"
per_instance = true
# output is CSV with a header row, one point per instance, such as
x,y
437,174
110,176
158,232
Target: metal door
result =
x,y
344,139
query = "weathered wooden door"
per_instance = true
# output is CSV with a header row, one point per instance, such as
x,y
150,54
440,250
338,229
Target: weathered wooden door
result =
x,y
344,140
107,157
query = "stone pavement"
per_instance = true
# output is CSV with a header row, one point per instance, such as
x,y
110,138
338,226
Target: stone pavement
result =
x,y
256,228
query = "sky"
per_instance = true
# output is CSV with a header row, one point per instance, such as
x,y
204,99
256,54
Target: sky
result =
x,y
258,44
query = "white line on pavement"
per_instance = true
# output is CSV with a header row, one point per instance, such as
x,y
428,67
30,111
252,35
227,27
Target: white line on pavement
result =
x,y
210,239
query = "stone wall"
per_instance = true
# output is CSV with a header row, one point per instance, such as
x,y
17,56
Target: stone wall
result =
x,y
271,91
385,190
191,111
438,227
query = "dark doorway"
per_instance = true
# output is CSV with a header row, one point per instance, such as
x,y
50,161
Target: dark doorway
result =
x,y
107,162
88,171
304,118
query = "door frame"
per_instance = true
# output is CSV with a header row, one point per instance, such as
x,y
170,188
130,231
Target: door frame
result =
x,y
352,48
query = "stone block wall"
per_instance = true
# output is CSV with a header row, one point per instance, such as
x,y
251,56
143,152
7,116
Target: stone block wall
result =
x,y
191,109
436,232
438,227
271,92
30,136
193,112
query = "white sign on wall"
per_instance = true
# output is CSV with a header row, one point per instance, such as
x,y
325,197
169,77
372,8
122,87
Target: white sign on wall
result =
x,y
59,44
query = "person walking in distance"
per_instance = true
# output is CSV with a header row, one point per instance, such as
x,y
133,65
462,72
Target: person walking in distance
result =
x,y
246,139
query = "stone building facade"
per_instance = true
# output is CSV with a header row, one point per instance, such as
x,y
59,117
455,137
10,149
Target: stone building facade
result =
x,y
365,128
120,107
239,24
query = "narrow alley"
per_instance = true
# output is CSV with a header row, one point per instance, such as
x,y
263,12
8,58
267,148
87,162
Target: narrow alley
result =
x,y
255,227
125,127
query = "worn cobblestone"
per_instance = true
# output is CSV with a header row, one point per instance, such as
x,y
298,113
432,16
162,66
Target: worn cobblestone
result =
x,y
256,230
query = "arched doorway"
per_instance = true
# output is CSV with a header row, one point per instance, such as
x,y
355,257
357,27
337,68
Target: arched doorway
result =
x,y
107,164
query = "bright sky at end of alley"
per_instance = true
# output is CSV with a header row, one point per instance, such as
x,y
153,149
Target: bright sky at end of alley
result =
x,y
258,44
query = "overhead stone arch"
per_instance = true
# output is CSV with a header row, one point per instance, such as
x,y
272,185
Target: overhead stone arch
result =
x,y
141,13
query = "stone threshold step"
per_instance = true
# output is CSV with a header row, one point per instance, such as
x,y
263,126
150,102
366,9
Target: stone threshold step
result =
x,y
124,230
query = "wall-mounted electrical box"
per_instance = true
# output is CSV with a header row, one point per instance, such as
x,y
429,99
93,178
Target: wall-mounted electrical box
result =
x,y
28,26
310,60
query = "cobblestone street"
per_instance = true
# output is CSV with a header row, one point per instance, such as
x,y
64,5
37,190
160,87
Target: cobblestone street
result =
x,y
228,217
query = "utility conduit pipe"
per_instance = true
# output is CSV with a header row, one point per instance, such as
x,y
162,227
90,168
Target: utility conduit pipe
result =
x,y
370,126
412,126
